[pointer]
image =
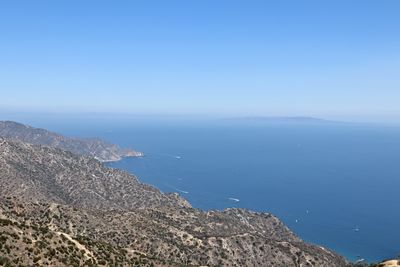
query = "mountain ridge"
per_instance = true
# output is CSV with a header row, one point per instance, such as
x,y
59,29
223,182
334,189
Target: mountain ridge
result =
x,y
94,147
43,173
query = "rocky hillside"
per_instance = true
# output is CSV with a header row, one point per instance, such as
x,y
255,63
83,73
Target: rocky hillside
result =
x,y
40,173
94,147
59,209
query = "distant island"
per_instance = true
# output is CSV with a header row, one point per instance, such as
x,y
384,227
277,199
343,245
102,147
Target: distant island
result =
x,y
300,119
93,147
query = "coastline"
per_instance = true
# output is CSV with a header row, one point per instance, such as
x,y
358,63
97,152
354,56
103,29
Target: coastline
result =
x,y
138,155
349,256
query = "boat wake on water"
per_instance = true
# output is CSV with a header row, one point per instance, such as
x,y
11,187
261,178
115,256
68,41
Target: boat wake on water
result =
x,y
182,191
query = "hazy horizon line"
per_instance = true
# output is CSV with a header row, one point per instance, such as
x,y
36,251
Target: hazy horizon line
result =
x,y
367,118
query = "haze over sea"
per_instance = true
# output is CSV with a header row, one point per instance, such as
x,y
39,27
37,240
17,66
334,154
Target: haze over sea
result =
x,y
334,184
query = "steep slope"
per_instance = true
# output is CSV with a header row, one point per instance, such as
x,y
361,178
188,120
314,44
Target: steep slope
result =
x,y
59,209
58,235
40,173
94,147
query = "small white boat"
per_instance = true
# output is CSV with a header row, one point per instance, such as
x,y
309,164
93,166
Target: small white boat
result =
x,y
359,261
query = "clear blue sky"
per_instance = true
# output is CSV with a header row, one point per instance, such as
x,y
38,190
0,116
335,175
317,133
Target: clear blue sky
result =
x,y
314,58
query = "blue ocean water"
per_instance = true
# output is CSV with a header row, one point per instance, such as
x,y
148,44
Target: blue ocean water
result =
x,y
334,184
